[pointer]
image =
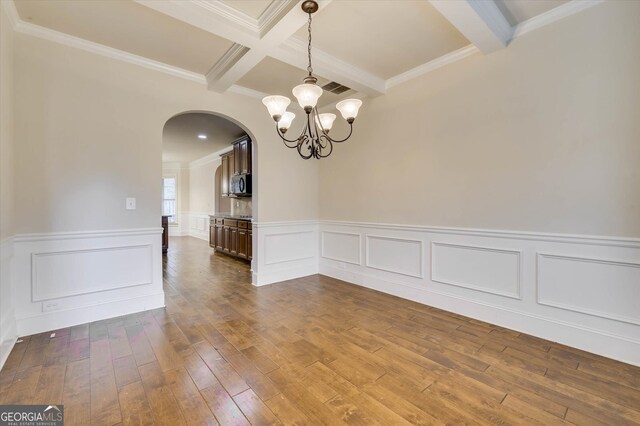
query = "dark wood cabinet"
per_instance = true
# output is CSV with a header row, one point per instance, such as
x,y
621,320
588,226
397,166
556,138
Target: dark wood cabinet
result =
x,y
231,236
242,156
228,168
235,162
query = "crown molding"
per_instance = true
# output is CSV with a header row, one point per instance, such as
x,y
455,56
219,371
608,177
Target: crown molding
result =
x,y
270,16
294,51
425,68
102,50
230,57
230,14
553,15
9,8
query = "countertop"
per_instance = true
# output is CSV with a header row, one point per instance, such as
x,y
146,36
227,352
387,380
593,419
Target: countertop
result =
x,y
230,216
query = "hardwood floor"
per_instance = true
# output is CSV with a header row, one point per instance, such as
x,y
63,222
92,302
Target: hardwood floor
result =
x,y
307,351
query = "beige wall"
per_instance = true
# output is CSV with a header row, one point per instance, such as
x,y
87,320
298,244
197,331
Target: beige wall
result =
x,y
89,134
202,187
541,136
6,125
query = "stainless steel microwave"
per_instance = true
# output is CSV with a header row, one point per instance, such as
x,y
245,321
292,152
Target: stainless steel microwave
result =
x,y
241,185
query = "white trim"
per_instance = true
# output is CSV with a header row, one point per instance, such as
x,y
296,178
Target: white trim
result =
x,y
322,245
432,65
563,11
590,339
35,295
8,335
293,51
516,295
32,324
285,223
109,52
230,14
231,56
592,312
368,264
481,22
494,233
269,16
20,238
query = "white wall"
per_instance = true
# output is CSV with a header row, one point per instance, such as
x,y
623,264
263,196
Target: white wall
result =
x,y
7,317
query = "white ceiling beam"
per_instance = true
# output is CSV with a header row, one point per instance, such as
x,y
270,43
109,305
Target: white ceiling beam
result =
x,y
294,52
481,22
269,35
271,39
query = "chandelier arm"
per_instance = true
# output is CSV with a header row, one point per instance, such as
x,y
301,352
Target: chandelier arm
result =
x,y
285,139
303,139
342,140
328,144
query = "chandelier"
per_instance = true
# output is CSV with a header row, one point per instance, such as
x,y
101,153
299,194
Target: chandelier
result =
x,y
314,141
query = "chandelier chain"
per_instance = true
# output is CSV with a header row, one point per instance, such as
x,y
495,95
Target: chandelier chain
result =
x,y
309,68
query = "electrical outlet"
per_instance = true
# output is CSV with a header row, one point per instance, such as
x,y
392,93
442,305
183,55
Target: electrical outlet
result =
x,y
131,203
50,306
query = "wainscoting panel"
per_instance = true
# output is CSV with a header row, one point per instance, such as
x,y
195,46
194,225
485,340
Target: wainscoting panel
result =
x,y
8,331
604,288
341,246
588,298
397,255
71,273
64,279
484,269
286,250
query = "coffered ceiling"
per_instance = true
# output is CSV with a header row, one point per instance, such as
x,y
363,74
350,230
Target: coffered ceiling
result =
x,y
259,46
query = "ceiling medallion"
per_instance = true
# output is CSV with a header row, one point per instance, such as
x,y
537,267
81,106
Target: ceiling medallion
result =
x,y
314,141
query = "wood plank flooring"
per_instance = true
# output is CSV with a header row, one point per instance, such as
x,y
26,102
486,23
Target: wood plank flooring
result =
x,y
308,351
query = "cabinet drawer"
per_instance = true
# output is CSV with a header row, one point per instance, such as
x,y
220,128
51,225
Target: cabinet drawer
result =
x,y
243,224
231,222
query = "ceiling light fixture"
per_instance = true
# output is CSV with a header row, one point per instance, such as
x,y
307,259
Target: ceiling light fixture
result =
x,y
314,141
202,136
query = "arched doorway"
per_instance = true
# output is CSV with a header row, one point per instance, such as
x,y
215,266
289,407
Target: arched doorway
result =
x,y
193,145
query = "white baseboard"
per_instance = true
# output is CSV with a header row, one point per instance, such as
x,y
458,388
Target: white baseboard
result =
x,y
580,291
8,335
8,332
81,315
284,275
284,251
64,279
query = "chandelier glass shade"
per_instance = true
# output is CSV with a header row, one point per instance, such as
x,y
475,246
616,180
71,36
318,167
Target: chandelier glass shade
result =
x,y
314,140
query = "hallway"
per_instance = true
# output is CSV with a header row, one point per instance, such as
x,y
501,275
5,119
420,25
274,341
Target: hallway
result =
x,y
308,351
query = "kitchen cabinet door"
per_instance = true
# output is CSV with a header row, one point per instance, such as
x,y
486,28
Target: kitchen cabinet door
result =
x,y
242,243
250,244
233,241
245,154
224,177
212,235
237,159
219,237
